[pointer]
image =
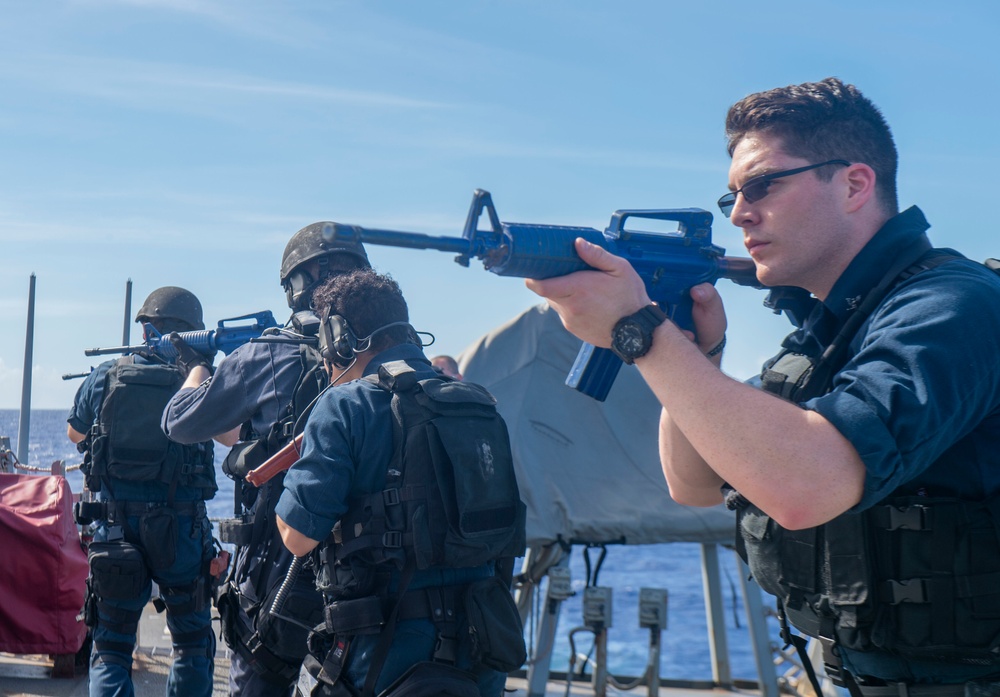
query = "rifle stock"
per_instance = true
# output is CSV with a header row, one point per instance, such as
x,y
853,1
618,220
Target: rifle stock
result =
x,y
279,462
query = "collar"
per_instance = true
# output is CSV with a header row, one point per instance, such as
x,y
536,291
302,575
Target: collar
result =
x,y
820,321
869,265
411,353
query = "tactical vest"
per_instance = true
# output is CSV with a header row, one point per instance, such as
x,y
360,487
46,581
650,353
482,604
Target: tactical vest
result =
x,y
451,497
915,576
255,448
272,645
127,442
450,500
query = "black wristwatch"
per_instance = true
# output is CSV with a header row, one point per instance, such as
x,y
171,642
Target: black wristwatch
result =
x,y
632,336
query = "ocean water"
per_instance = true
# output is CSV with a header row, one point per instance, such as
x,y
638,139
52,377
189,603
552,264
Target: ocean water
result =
x,y
626,569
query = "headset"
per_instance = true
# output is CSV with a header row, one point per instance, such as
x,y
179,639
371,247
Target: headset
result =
x,y
340,345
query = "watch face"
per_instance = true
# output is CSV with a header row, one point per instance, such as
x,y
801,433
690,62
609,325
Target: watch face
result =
x,y
633,335
630,339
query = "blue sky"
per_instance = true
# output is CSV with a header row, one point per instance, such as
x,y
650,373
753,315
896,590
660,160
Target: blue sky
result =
x,y
177,142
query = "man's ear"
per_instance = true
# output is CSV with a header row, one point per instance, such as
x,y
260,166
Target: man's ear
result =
x,y
860,186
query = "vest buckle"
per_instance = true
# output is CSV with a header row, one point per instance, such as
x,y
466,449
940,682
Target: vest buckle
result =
x,y
908,518
446,649
913,590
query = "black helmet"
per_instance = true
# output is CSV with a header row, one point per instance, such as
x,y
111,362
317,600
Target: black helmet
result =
x,y
171,302
314,242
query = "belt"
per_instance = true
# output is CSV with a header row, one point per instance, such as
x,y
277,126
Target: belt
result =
x,y
367,615
136,508
107,510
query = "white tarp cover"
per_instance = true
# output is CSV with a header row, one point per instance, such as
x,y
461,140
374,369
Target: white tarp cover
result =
x,y
589,472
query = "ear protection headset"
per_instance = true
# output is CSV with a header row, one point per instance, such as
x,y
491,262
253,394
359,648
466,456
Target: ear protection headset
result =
x,y
337,341
340,345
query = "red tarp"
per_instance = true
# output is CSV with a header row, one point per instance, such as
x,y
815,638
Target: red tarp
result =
x,y
43,569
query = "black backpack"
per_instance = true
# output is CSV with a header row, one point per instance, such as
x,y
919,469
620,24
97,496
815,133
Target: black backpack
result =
x,y
127,440
451,497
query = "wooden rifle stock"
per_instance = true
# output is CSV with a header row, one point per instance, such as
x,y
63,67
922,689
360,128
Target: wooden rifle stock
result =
x,y
279,462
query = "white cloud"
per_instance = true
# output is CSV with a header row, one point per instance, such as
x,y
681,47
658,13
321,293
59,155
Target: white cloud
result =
x,y
189,89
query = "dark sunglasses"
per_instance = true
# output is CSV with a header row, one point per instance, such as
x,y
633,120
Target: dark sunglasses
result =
x,y
756,188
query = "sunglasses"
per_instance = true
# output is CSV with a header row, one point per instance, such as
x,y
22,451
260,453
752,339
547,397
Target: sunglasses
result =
x,y
756,188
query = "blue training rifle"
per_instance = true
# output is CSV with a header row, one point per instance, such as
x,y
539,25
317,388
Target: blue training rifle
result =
x,y
670,264
226,338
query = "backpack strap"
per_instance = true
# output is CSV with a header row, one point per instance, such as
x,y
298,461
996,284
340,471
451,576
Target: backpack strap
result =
x,y
384,526
385,638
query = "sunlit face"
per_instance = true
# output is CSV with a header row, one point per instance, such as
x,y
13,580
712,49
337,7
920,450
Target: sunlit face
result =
x,y
795,234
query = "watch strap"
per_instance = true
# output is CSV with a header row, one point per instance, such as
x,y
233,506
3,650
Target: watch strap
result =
x,y
651,314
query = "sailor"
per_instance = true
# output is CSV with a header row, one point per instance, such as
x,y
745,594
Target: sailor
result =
x,y
257,400
447,365
365,503
151,512
868,466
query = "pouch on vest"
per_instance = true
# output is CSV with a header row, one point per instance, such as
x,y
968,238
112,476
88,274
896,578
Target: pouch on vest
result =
x,y
90,600
918,576
244,457
451,496
429,679
134,399
940,597
472,462
118,570
228,605
127,441
158,534
496,634
784,563
285,634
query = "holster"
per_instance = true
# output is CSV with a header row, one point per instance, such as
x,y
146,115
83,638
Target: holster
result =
x,y
430,679
117,569
495,631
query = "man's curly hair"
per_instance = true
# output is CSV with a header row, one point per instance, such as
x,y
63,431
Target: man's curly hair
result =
x,y
367,300
819,121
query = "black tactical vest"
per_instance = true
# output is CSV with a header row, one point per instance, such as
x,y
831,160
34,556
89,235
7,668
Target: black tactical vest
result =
x,y
253,449
451,497
915,576
273,644
127,442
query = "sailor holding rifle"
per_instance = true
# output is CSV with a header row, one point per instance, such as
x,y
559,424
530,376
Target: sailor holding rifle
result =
x,y
866,467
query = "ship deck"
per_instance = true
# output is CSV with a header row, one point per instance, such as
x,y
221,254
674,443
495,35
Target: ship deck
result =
x,y
23,676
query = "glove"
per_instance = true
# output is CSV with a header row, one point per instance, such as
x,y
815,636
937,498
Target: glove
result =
x,y
187,357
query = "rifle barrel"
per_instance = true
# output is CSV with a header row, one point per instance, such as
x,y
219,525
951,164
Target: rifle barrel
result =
x,y
395,238
115,349
739,270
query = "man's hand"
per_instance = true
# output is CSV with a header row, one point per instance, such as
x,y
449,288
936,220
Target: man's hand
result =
x,y
591,302
187,358
709,318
